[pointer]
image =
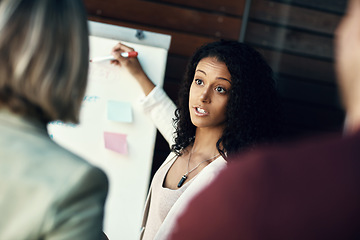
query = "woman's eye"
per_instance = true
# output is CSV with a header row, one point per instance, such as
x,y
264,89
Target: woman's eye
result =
x,y
220,89
198,81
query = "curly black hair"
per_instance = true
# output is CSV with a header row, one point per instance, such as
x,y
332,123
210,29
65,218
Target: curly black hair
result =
x,y
253,109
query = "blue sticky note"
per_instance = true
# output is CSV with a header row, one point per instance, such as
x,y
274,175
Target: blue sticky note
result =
x,y
119,111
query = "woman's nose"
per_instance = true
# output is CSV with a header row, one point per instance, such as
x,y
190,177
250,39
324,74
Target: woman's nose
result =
x,y
205,95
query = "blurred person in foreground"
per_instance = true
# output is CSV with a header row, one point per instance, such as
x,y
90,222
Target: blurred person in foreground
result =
x,y
46,192
307,190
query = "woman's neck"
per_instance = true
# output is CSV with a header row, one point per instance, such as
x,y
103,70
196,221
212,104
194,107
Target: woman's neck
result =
x,y
205,141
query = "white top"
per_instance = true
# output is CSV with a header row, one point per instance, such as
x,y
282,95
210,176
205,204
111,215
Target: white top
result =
x,y
162,201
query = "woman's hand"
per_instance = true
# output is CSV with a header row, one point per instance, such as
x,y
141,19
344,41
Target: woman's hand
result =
x,y
133,65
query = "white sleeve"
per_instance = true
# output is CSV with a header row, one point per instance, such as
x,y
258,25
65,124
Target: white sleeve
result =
x,y
161,109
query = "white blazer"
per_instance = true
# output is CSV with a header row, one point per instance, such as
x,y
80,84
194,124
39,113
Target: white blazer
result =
x,y
46,192
161,109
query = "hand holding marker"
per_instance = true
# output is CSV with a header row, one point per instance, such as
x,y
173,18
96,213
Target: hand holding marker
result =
x,y
110,57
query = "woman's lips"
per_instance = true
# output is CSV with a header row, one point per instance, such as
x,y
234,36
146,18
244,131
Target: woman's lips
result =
x,y
200,112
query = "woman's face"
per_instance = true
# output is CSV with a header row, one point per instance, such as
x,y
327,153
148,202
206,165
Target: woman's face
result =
x,y
209,94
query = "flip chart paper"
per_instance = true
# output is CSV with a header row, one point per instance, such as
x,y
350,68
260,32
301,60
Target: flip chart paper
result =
x,y
107,82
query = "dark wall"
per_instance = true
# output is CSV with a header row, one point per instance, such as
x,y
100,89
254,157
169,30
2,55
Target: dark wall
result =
x,y
297,38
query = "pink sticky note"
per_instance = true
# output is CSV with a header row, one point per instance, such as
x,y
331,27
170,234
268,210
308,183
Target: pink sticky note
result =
x,y
116,142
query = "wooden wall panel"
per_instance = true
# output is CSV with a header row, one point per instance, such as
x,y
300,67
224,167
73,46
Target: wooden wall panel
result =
x,y
225,6
299,66
297,39
334,6
290,40
168,17
293,16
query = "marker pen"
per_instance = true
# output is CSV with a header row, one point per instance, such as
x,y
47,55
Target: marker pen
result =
x,y
110,57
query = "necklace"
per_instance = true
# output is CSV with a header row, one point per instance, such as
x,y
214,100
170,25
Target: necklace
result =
x,y
185,176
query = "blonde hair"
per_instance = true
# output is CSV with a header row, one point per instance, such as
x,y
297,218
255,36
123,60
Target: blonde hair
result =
x,y
44,52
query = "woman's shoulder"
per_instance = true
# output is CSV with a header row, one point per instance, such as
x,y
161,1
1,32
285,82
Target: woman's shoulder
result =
x,y
33,154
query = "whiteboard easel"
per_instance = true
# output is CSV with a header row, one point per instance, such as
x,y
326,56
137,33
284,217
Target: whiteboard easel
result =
x,y
129,173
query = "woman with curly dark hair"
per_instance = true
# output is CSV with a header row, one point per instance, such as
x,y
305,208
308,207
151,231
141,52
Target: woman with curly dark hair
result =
x,y
227,103
252,111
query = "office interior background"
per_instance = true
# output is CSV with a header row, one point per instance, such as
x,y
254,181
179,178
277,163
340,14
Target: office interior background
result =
x,y
296,37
